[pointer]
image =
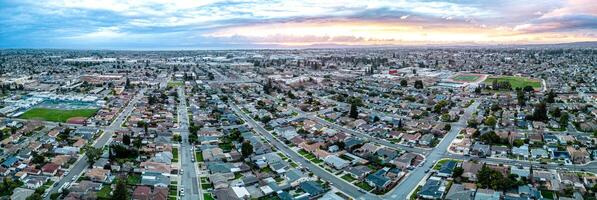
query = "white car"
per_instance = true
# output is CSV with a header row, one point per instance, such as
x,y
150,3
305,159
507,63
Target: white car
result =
x,y
181,171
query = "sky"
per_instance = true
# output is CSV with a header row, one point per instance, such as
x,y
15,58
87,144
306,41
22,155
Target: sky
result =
x,y
213,24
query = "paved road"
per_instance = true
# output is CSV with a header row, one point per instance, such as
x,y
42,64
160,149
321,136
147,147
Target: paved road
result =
x,y
342,185
410,182
100,142
188,179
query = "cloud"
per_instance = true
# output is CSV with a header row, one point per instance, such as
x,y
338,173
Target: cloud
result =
x,y
113,23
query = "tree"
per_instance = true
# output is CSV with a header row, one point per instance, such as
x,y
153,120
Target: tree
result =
x,y
290,95
419,84
490,121
564,120
246,149
54,196
403,83
520,98
146,127
518,142
551,96
120,192
472,123
557,112
489,178
137,143
92,154
266,119
193,138
540,112
447,127
62,136
490,138
128,83
528,88
126,139
38,158
8,185
440,105
458,171
354,112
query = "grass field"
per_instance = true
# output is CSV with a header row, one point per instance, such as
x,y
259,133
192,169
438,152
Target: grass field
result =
x,y
174,154
515,81
466,78
57,115
175,83
348,178
104,193
364,186
207,196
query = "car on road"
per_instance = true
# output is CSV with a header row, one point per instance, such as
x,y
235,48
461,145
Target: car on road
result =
x,y
192,160
74,178
181,171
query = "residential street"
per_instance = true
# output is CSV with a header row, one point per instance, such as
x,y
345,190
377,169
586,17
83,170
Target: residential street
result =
x,y
402,190
189,178
342,185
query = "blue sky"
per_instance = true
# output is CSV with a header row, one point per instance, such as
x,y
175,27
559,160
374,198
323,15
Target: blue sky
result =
x,y
207,24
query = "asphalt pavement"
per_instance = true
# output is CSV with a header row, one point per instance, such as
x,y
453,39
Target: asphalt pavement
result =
x,y
407,185
188,179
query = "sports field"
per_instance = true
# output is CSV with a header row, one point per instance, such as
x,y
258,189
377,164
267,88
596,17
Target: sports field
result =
x,y
516,81
57,115
466,77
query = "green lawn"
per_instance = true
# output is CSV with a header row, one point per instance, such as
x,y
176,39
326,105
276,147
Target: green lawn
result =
x,y
238,175
281,155
226,147
206,186
364,186
199,156
547,194
175,83
303,152
204,180
207,196
515,81
104,193
56,115
174,154
348,178
133,179
293,164
466,78
415,193
441,162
